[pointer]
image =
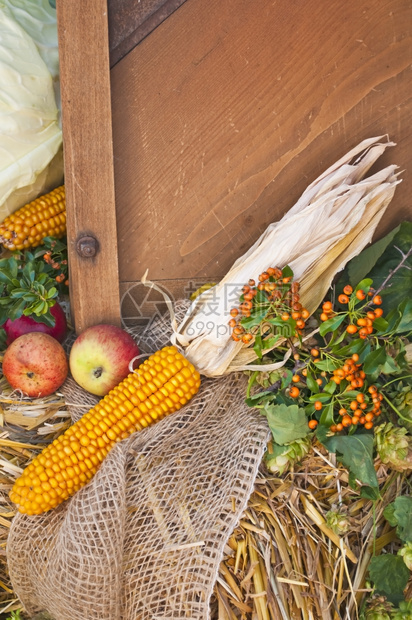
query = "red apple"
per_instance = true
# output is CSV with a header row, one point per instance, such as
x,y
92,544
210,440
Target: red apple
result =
x,y
99,358
36,364
26,324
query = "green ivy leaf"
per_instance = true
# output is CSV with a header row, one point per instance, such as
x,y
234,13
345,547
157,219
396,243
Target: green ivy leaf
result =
x,y
356,453
399,515
389,575
287,423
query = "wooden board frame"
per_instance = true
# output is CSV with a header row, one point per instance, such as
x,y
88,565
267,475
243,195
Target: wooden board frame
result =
x,y
312,81
88,157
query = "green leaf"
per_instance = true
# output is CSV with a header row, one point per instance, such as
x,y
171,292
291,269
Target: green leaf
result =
x,y
46,318
364,285
311,383
356,453
286,379
257,346
355,346
390,366
371,493
287,272
51,293
16,309
362,264
287,423
330,387
389,575
8,269
393,319
326,417
327,364
324,398
401,281
405,323
399,515
3,338
380,325
285,328
331,324
18,293
270,342
259,398
254,319
374,361
351,394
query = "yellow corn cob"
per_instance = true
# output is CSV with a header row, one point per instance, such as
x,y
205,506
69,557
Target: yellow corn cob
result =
x,y
160,385
43,217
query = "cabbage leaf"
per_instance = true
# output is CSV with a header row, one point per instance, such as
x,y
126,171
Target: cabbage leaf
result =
x,y
30,136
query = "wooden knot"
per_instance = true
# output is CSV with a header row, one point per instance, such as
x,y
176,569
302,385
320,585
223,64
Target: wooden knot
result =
x,y
87,246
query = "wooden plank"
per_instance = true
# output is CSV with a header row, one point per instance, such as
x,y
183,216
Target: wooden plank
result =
x,y
131,22
225,113
88,155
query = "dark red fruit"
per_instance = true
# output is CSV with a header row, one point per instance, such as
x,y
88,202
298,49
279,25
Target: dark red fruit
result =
x,y
26,324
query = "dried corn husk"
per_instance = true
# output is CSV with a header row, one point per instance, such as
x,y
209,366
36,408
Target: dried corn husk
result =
x,y
333,220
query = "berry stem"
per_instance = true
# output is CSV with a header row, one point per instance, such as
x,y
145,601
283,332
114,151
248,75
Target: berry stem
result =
x,y
405,257
397,379
398,413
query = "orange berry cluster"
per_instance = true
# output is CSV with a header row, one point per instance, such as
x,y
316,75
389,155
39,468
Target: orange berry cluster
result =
x,y
362,410
363,407
350,372
280,298
362,325
62,266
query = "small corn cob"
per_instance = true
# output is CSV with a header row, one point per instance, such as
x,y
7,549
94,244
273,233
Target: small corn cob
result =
x,y
43,217
161,385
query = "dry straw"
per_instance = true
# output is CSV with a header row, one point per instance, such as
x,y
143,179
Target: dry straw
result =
x,y
283,562
26,426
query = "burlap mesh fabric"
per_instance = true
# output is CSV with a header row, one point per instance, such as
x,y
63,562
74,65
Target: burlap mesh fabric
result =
x,y
144,539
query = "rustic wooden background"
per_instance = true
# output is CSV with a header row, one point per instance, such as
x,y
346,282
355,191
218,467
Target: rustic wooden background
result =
x,y
221,117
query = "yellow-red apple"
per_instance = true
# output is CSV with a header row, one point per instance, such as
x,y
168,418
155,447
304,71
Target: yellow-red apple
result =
x,y
36,364
100,356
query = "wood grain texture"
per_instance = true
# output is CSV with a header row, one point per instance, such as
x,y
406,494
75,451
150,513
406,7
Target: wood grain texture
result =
x,y
88,154
130,22
227,111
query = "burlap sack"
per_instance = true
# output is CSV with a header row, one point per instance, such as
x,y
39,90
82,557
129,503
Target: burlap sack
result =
x,y
144,539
